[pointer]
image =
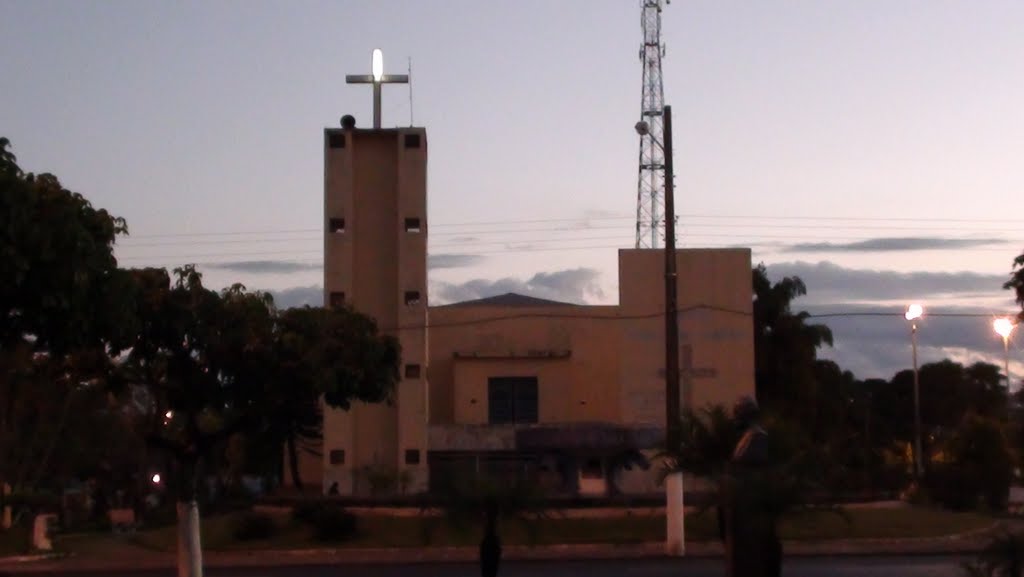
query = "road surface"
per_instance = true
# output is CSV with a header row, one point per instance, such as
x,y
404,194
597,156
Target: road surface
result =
x,y
795,567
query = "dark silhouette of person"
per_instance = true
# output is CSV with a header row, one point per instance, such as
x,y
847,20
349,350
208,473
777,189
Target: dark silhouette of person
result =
x,y
333,489
752,545
490,545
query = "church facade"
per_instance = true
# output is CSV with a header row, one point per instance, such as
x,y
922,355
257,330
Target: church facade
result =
x,y
570,395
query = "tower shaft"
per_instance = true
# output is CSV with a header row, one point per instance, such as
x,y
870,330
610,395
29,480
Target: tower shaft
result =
x,y
650,196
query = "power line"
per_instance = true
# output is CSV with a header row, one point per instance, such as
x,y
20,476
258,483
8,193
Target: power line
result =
x,y
586,219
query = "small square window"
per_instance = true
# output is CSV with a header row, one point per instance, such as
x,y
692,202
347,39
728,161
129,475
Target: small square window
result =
x,y
337,456
412,140
412,371
336,225
413,225
335,140
412,298
412,456
337,299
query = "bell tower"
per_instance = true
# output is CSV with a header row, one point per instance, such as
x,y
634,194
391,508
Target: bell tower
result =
x,y
375,260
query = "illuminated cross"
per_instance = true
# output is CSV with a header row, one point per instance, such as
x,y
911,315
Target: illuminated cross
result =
x,y
376,79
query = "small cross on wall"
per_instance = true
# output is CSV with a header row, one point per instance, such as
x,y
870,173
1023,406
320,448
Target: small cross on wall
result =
x,y
376,79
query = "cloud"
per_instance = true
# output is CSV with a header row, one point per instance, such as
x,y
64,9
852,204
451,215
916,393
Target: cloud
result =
x,y
434,261
439,261
578,285
299,296
894,244
828,282
880,346
267,266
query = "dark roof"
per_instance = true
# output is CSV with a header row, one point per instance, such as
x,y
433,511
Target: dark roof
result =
x,y
511,300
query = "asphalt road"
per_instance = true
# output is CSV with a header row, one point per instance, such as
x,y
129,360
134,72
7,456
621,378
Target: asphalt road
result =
x,y
798,567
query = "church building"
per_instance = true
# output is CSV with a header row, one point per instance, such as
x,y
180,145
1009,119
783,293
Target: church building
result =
x,y
571,395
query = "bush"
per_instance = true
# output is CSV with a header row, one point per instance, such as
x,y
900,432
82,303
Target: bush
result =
x,y
253,526
306,510
979,466
333,524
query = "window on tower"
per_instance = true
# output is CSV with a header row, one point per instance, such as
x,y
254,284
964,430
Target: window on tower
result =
x,y
336,225
412,371
413,225
412,298
335,140
412,140
337,299
412,457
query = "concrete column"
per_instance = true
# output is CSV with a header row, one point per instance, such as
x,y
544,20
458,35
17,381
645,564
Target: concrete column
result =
x,y
675,541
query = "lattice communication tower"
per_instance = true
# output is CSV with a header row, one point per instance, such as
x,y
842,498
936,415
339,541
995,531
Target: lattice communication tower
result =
x,y
650,195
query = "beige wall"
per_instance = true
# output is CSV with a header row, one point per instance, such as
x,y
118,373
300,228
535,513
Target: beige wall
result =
x,y
614,371
375,182
593,363
511,342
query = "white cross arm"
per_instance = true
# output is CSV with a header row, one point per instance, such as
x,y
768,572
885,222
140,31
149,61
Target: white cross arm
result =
x,y
384,79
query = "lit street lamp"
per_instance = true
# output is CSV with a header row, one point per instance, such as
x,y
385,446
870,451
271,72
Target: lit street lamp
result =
x,y
1004,328
913,313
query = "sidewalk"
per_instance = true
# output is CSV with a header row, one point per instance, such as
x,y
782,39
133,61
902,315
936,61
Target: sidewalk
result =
x,y
139,558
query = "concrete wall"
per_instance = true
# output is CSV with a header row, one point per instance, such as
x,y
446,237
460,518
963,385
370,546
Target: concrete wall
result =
x,y
375,182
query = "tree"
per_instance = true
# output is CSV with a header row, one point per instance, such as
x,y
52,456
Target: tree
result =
x,y
1016,282
785,346
334,354
789,484
217,364
196,355
60,307
485,501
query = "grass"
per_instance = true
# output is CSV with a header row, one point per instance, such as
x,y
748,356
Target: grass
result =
x,y
386,531
15,541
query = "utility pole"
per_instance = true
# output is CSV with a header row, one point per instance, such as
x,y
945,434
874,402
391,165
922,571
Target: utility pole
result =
x,y
675,543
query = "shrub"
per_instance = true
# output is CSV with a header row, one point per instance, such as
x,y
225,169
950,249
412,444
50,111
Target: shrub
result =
x,y
333,523
253,526
306,510
979,466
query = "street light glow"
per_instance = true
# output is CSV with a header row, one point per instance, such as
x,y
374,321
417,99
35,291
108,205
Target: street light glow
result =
x,y
378,65
156,478
169,415
914,311
1003,327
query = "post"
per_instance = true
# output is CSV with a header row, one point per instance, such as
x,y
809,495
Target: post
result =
x,y
376,105
918,468
1006,362
675,537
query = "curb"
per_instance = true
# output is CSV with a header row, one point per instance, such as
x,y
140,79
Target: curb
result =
x,y
959,544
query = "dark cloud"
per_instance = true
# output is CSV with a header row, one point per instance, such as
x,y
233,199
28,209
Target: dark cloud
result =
x,y
879,345
828,282
299,296
267,266
439,261
575,286
894,244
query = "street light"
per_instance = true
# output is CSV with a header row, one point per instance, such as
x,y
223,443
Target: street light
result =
x,y
674,535
1004,328
914,312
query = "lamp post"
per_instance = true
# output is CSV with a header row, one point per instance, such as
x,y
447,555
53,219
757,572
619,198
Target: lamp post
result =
x,y
1004,328
674,538
913,313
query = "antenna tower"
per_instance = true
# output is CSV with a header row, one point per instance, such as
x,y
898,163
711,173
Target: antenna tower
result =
x,y
650,195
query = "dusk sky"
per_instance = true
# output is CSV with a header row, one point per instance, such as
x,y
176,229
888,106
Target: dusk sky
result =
x,y
871,147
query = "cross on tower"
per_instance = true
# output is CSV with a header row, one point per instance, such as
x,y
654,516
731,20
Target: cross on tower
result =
x,y
376,79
